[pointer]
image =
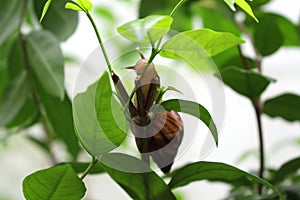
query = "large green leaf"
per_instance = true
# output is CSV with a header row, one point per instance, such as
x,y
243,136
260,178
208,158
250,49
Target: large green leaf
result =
x,y
139,185
197,44
109,112
194,109
56,12
58,182
58,115
14,98
147,30
91,135
10,17
285,106
213,171
285,170
247,83
46,60
267,42
287,28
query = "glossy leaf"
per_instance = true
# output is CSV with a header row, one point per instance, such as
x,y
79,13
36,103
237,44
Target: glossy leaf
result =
x,y
267,42
197,44
194,109
109,112
147,30
9,15
14,98
58,182
86,123
58,115
139,185
68,19
285,106
285,170
213,171
247,83
46,60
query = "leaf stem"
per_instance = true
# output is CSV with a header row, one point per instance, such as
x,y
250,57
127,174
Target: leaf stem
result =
x,y
88,169
178,5
100,41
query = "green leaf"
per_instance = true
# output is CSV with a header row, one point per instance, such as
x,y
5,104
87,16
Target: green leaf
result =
x,y
198,44
68,19
58,182
147,30
86,123
139,185
194,109
26,116
245,6
285,170
236,61
10,17
213,171
73,6
247,83
45,9
287,28
285,106
230,3
86,4
80,167
46,60
109,112
14,98
267,42
58,115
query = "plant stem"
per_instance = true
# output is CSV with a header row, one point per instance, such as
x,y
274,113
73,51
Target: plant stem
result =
x,y
256,104
100,42
88,169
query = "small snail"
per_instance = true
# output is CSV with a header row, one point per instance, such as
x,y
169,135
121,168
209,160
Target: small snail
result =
x,y
158,135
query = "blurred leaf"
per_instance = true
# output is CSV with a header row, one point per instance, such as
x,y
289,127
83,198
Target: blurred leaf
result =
x,y
58,115
292,192
139,185
267,42
197,44
285,106
285,170
41,144
249,153
222,58
182,19
46,60
45,9
68,19
247,83
258,3
73,6
58,182
147,30
15,62
86,4
87,127
109,112
10,17
14,98
80,167
236,61
230,3
216,21
26,115
194,109
287,28
213,171
105,13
